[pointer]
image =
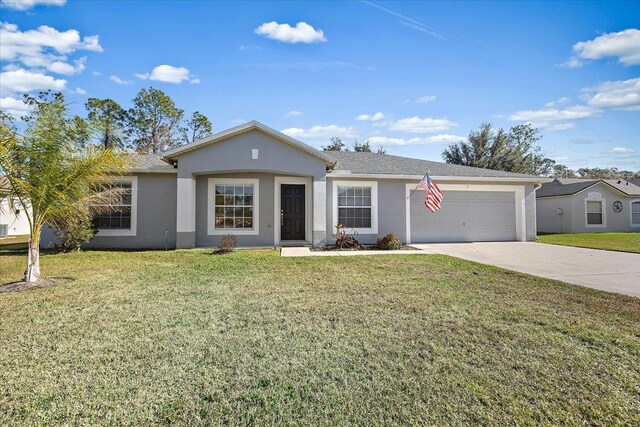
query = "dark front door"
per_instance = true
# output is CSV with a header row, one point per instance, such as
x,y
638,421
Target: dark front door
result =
x,y
292,217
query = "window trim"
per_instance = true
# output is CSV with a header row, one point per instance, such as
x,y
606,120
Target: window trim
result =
x,y
374,204
595,197
631,202
211,207
132,231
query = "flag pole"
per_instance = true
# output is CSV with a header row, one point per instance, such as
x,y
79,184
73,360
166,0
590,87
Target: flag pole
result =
x,y
413,191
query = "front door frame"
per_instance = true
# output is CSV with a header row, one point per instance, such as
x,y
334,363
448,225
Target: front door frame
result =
x,y
298,180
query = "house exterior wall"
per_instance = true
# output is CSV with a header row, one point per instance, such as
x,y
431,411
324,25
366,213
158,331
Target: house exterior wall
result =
x,y
155,219
574,207
17,223
548,219
237,156
391,207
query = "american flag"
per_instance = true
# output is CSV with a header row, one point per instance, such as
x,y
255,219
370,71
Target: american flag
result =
x,y
434,195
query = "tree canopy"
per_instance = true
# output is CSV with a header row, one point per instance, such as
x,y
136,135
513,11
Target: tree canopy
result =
x,y
197,127
515,150
109,121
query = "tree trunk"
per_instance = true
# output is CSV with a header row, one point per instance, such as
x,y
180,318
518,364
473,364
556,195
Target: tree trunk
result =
x,y
32,274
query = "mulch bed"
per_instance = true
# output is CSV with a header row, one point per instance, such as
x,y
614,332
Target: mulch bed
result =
x,y
363,248
26,286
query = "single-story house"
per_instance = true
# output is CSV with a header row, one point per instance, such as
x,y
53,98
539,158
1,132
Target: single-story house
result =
x,y
13,219
571,205
267,188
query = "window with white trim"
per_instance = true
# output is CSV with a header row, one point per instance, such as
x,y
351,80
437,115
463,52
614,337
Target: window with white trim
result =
x,y
120,217
635,213
594,212
354,206
234,206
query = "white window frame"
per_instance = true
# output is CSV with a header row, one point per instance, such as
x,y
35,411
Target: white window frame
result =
x,y
277,201
595,197
133,180
374,204
631,202
211,207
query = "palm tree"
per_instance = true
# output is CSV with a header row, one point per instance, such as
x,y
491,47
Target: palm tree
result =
x,y
51,174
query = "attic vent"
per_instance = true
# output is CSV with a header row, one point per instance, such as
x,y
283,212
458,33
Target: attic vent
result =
x,y
594,196
254,153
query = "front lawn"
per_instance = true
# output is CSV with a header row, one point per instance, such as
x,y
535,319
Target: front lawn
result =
x,y
189,338
622,242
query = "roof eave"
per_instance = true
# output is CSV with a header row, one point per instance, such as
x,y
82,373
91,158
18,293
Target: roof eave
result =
x,y
537,180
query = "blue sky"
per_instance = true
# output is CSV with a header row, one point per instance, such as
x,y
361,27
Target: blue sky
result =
x,y
412,77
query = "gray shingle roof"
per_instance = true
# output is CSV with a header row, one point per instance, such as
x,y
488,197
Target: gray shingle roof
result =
x,y
374,163
151,163
570,186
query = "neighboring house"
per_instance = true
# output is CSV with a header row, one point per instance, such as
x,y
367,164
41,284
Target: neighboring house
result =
x,y
13,222
568,205
267,189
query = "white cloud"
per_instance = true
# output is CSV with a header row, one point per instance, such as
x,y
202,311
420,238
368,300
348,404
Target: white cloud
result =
x,y
624,45
43,47
557,102
435,139
19,81
60,67
316,132
419,125
370,117
301,33
559,127
29,4
97,73
292,113
425,99
544,117
623,150
622,94
15,107
118,80
169,74
81,91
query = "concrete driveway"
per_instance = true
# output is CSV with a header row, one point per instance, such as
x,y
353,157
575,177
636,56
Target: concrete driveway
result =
x,y
605,270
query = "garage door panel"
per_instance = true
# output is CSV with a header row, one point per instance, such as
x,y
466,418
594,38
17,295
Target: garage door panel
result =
x,y
465,216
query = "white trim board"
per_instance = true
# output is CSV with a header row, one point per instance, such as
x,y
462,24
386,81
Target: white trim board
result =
x,y
519,200
374,203
133,180
308,208
631,202
211,205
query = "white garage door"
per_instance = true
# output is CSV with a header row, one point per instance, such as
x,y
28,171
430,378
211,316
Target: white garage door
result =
x,y
465,216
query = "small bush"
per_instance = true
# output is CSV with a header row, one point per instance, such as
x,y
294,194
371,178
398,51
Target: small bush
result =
x,y
72,235
227,244
389,242
344,240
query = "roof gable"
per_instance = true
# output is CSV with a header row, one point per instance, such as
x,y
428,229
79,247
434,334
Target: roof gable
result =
x,y
573,186
247,127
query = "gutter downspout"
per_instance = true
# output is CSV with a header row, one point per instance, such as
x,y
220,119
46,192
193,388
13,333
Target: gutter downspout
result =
x,y
535,206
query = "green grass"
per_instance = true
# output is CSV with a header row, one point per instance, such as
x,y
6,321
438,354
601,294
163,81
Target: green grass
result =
x,y
622,242
189,338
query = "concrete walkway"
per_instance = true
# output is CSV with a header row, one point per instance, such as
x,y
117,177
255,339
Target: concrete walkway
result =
x,y
605,270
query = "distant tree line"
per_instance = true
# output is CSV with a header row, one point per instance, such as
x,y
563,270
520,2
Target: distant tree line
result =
x,y
336,144
562,171
152,125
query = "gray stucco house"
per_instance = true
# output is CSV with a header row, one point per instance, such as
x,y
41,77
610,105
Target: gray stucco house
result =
x,y
268,189
568,205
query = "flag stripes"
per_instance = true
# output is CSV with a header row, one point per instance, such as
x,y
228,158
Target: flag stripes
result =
x,y
434,195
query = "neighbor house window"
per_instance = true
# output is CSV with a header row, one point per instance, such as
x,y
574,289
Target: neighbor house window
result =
x,y
356,205
121,219
234,203
635,213
594,212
